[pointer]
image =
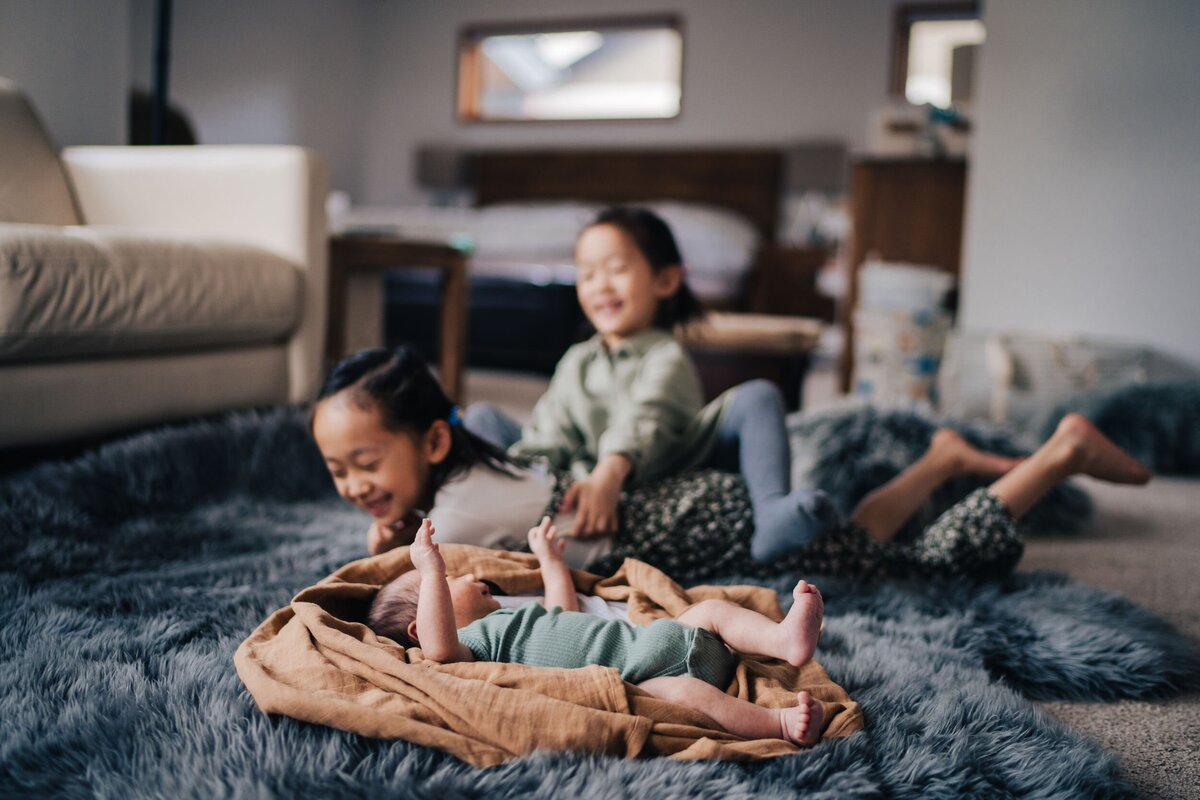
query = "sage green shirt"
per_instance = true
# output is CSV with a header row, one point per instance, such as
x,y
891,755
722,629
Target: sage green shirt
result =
x,y
642,399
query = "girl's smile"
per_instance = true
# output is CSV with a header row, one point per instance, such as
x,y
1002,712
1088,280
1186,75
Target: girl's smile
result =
x,y
618,289
383,472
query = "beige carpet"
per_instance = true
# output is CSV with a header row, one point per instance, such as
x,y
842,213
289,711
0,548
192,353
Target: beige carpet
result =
x,y
1144,543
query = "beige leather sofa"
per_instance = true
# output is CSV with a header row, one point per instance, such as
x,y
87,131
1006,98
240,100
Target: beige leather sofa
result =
x,y
145,284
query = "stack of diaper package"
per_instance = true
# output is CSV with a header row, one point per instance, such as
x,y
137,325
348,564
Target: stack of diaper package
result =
x,y
900,327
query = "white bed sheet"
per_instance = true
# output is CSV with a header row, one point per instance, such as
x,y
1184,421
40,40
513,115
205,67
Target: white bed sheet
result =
x,y
535,242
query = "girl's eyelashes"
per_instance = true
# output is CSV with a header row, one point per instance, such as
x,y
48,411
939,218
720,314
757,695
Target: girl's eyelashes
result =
x,y
341,472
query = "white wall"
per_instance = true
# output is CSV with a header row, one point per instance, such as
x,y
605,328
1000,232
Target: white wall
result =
x,y
72,58
755,71
1084,198
365,81
268,72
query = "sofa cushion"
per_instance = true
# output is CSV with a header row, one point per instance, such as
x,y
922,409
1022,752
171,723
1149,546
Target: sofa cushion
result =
x,y
33,187
95,291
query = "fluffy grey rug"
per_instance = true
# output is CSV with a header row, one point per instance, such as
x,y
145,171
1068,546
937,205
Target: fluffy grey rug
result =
x,y
131,574
1158,423
848,452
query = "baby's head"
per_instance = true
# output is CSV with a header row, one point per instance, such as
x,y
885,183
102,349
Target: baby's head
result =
x,y
390,436
394,610
630,275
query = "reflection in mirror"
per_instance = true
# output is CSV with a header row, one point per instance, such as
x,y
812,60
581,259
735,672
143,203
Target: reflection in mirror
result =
x,y
941,56
616,70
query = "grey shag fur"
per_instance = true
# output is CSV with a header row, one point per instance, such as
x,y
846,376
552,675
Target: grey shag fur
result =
x,y
1159,423
848,452
129,576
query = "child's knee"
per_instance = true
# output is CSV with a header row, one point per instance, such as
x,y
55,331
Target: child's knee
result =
x,y
702,614
488,422
481,415
761,390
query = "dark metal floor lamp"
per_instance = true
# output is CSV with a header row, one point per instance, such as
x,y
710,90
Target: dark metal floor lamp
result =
x,y
162,62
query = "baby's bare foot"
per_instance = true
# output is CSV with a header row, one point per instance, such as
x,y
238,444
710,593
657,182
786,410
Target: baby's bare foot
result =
x,y
801,628
963,458
1093,453
801,724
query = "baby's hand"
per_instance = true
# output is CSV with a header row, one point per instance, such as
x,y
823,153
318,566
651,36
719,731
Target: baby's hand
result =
x,y
544,542
424,553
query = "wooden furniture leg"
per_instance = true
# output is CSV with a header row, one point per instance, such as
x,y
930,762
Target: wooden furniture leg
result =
x,y
357,267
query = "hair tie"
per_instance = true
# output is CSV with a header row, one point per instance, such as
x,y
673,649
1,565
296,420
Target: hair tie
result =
x,y
455,418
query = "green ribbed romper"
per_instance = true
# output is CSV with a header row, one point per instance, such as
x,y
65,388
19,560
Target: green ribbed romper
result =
x,y
537,637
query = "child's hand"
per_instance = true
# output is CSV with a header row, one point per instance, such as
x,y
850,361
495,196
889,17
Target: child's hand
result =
x,y
595,502
544,542
381,538
426,556
556,577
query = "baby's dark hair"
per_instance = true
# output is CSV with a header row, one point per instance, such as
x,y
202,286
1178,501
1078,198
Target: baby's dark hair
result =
x,y
409,399
654,239
395,607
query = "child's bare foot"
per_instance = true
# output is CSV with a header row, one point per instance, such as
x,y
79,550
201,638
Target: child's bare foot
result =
x,y
1090,452
801,628
801,724
963,458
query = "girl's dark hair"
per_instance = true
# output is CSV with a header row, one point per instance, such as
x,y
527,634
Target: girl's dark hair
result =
x,y
409,399
654,239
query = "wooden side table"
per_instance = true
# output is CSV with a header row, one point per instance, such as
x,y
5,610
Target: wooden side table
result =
x,y
357,267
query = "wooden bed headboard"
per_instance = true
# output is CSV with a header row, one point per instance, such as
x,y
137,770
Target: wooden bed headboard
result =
x,y
746,180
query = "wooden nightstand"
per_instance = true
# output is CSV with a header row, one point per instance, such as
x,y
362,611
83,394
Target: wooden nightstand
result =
x,y
784,281
904,210
357,263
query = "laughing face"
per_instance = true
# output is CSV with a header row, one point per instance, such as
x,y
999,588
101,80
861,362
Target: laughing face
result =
x,y
618,289
383,472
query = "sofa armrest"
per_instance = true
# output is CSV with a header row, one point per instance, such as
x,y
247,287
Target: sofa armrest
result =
x,y
269,196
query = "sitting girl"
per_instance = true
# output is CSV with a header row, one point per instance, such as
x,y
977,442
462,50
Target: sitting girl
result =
x,y
685,661
395,445
625,407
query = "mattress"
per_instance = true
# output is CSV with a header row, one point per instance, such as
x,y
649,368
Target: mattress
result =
x,y
534,242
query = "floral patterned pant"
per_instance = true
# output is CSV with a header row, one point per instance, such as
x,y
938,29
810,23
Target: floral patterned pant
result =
x,y
698,525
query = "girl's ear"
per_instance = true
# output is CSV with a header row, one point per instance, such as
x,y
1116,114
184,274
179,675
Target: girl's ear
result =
x,y
412,632
438,441
667,281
